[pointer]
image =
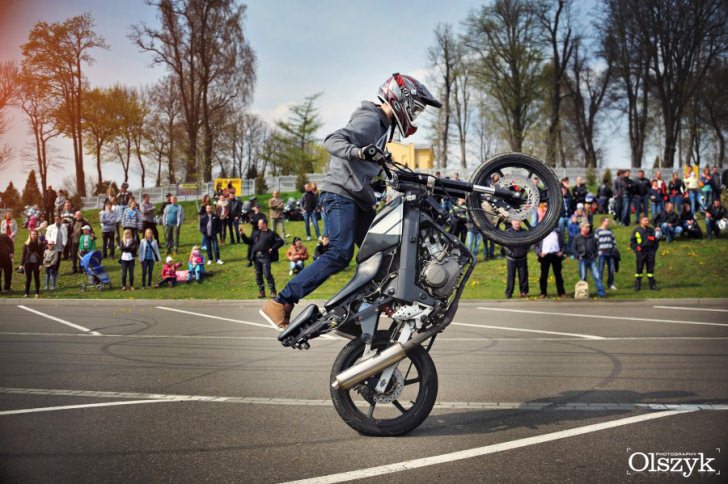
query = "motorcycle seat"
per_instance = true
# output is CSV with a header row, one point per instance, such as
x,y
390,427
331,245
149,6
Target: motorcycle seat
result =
x,y
365,272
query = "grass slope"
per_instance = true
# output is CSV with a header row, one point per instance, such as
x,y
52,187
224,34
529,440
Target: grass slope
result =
x,y
684,269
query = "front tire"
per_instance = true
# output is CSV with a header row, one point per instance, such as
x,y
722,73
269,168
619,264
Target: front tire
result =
x,y
410,405
515,172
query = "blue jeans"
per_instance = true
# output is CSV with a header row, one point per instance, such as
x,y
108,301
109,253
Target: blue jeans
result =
x,y
626,207
657,207
693,196
472,242
677,201
671,232
609,261
348,225
591,265
325,222
296,266
640,205
311,216
212,246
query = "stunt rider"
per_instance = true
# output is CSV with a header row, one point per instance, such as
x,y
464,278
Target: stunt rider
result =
x,y
347,196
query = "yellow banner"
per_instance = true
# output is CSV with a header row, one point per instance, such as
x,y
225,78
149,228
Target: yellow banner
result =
x,y
223,183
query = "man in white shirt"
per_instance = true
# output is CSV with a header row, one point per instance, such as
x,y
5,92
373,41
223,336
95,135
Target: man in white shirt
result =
x,y
58,233
550,252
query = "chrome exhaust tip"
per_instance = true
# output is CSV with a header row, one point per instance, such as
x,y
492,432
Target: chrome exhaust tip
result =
x,y
364,369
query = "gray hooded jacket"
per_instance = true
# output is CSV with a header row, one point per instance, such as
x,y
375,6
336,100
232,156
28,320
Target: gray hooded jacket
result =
x,y
349,176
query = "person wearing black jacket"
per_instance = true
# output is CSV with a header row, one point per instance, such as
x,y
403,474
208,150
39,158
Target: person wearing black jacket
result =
x,y
586,248
550,253
210,228
604,193
712,216
264,246
310,205
7,251
236,207
32,260
641,190
668,222
690,226
516,261
579,191
628,193
644,244
255,219
49,202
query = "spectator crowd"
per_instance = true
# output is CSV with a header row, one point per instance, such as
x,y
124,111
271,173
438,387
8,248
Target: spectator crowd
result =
x,y
663,211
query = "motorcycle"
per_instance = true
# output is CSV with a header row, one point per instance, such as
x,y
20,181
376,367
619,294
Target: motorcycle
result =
x,y
292,210
409,278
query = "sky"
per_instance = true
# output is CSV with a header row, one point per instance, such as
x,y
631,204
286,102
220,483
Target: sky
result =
x,y
343,48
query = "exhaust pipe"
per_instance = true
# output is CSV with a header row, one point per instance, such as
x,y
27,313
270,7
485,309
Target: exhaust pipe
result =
x,y
364,369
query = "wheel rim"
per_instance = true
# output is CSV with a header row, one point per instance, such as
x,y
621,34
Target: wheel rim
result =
x,y
398,402
517,173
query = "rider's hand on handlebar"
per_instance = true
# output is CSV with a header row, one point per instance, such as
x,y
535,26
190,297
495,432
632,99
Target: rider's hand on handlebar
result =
x,y
371,153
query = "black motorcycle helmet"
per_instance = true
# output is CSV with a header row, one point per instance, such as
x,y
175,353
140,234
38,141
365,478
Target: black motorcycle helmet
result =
x,y
408,98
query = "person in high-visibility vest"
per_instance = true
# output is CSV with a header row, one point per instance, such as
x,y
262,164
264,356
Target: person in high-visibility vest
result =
x,y
644,244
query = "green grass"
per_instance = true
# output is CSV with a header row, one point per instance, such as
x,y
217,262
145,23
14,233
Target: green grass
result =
x,y
684,269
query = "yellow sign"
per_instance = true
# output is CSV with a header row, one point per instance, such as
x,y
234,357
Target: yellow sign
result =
x,y
223,183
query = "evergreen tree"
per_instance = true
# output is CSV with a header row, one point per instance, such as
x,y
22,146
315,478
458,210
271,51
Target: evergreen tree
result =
x,y
11,198
31,194
296,137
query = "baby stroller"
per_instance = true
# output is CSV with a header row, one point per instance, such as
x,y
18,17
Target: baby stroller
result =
x,y
97,277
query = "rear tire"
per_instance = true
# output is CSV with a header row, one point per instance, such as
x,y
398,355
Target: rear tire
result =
x,y
525,168
405,416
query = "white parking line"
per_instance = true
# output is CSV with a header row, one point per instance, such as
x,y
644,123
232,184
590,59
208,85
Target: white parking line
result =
x,y
600,316
59,320
504,328
526,406
74,407
481,451
209,316
681,308
272,326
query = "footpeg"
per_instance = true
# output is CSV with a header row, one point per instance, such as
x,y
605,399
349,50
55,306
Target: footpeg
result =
x,y
304,327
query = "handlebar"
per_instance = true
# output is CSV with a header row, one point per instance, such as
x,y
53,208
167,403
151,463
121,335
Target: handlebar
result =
x,y
457,187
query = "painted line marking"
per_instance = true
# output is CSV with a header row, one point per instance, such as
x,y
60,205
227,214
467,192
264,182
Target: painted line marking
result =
x,y
599,316
238,321
484,326
209,316
440,339
481,451
74,407
681,308
526,406
59,320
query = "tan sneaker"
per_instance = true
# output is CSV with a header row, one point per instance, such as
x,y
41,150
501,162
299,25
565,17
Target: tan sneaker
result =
x,y
276,313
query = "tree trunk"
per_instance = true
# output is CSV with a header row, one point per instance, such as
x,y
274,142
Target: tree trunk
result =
x,y
98,162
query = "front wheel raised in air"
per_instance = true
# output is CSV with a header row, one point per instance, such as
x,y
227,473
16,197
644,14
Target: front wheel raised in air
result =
x,y
537,209
401,408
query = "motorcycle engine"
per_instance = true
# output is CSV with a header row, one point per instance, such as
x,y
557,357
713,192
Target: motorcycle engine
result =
x,y
441,271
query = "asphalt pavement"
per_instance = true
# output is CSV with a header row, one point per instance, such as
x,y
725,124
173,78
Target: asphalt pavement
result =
x,y
201,391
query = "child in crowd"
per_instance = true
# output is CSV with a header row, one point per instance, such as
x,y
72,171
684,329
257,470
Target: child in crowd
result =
x,y
574,230
297,254
148,255
87,242
50,259
196,265
169,272
128,258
